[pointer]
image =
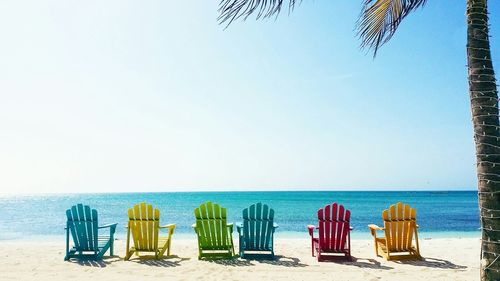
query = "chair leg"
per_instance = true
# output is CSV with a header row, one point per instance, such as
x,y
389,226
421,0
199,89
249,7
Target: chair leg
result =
x,y
67,244
312,247
169,245
111,247
128,254
165,247
127,250
416,241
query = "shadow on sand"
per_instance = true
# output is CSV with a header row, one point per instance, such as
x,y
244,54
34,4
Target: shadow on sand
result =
x,y
434,263
170,261
234,261
265,259
89,261
278,260
366,263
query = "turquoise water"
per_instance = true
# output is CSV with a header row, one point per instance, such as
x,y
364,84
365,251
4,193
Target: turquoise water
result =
x,y
439,214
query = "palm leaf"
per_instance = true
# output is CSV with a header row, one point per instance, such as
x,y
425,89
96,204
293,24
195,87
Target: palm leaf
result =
x,y
379,20
231,10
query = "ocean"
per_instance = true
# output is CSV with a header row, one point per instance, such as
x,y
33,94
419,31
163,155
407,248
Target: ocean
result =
x,y
439,213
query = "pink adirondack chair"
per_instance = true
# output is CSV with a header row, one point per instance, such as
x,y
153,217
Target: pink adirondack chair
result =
x,y
334,238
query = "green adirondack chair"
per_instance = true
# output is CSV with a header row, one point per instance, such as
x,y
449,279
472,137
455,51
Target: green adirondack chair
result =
x,y
256,232
82,224
215,235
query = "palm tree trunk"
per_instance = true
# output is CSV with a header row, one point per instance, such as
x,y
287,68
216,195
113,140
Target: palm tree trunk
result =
x,y
484,107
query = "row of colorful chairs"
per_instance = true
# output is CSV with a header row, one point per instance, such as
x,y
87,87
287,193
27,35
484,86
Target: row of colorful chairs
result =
x,y
255,233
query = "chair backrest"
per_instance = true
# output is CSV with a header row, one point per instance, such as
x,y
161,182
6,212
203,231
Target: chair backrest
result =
x,y
82,223
399,223
333,224
258,228
211,224
144,222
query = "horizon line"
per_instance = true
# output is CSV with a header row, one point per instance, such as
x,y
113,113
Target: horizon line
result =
x,y
242,191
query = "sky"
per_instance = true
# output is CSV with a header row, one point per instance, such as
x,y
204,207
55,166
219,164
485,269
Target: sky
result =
x,y
133,96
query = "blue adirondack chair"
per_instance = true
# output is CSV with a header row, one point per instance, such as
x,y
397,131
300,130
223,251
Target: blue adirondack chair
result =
x,y
256,232
82,224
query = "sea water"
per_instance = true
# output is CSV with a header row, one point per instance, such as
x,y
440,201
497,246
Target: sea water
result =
x,y
439,213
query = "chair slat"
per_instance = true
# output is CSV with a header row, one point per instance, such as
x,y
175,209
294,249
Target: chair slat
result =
x,y
226,239
394,236
399,226
264,242
150,231
252,227
328,228
340,225
212,221
72,227
82,227
89,228
258,222
334,227
218,225
206,226
345,230
246,228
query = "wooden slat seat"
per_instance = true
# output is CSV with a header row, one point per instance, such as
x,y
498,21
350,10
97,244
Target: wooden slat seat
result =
x,y
82,226
400,228
334,233
256,232
144,229
215,235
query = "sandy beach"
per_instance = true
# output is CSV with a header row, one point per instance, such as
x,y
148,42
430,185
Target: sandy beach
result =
x,y
445,259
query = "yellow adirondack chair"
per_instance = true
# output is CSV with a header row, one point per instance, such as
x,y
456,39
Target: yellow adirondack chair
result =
x,y
144,225
400,226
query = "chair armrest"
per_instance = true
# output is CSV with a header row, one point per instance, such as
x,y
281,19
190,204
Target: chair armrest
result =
x,y
416,225
171,225
230,227
351,228
193,225
374,227
112,225
275,225
311,229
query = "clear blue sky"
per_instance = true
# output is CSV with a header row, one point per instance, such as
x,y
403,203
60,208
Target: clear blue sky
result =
x,y
156,96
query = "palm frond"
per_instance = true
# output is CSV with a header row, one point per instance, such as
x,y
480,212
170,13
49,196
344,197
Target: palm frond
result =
x,y
380,19
231,10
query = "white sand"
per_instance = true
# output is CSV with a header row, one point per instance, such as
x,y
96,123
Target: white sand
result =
x,y
445,259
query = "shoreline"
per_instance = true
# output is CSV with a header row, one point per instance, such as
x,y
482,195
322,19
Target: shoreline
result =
x,y
288,235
